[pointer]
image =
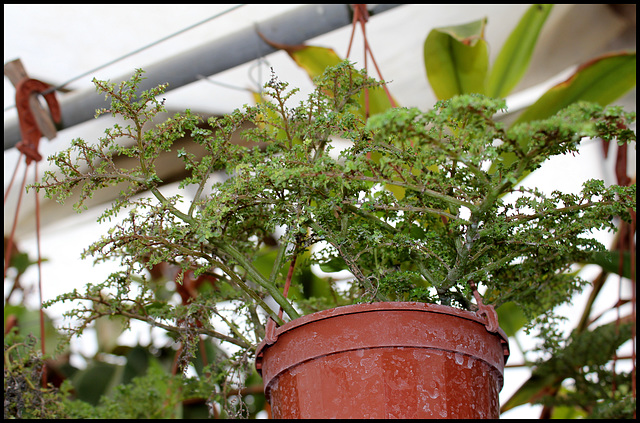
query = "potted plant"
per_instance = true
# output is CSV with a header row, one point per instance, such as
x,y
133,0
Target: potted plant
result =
x,y
421,208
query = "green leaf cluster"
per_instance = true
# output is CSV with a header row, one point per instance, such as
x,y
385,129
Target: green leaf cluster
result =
x,y
457,62
584,361
24,396
409,206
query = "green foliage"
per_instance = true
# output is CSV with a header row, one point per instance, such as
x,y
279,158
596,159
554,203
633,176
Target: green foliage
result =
x,y
93,393
514,56
450,226
153,395
408,207
457,59
583,359
601,80
24,396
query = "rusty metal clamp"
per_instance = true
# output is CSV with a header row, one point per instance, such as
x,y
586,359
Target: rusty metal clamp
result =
x,y
486,311
270,336
29,129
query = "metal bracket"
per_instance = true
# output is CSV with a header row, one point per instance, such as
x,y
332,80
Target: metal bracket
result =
x,y
486,311
270,335
31,132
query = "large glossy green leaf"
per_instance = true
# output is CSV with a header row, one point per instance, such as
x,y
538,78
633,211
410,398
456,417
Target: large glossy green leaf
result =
x,y
578,352
28,322
511,318
610,262
568,412
138,358
601,81
212,354
96,380
530,390
314,60
514,57
456,59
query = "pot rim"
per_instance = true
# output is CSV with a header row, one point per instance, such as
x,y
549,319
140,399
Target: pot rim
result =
x,y
373,307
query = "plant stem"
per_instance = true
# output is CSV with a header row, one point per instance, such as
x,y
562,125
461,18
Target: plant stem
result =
x,y
232,327
420,188
200,330
353,267
186,218
201,186
279,259
251,292
255,275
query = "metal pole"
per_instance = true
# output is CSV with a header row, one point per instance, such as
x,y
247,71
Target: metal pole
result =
x,y
294,27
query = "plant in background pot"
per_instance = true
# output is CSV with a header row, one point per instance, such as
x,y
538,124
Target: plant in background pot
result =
x,y
418,207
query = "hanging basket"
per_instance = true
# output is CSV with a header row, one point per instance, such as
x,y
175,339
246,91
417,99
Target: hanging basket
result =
x,y
384,360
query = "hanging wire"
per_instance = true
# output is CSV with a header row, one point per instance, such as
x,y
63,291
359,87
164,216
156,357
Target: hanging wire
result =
x,y
7,253
361,15
190,27
222,84
256,64
38,243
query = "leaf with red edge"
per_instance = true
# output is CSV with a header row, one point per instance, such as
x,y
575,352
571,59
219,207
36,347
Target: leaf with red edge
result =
x,y
601,80
314,60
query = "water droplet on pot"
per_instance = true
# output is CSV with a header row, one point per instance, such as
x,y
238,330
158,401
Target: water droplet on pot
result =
x,y
459,358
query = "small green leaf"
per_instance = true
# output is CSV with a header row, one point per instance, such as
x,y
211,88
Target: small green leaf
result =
x,y
314,60
456,59
157,308
515,55
335,264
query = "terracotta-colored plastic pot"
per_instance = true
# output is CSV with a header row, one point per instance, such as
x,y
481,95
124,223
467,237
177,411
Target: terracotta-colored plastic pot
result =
x,y
384,360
